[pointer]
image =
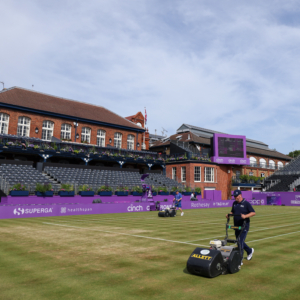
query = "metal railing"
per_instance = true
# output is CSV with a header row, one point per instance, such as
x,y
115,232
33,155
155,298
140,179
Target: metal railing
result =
x,y
266,166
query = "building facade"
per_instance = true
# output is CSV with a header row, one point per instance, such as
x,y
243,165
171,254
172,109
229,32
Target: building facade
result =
x,y
29,113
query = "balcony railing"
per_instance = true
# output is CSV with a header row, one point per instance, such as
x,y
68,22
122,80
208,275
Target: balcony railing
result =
x,y
250,180
266,166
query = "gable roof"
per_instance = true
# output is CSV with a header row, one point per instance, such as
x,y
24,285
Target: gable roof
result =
x,y
206,141
40,102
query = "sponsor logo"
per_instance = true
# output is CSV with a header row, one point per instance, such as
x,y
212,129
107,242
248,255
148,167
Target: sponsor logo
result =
x,y
219,160
149,194
63,210
295,202
255,202
297,196
243,161
22,211
221,203
135,208
262,202
201,256
195,205
162,207
232,161
18,211
204,252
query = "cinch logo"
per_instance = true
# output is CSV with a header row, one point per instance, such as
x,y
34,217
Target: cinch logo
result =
x,y
18,211
219,160
243,161
201,256
134,208
262,202
231,160
63,210
200,205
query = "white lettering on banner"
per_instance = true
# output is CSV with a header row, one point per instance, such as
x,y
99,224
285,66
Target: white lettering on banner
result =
x,y
135,208
165,206
254,202
262,201
295,202
79,209
200,205
243,161
19,211
148,207
231,160
221,203
63,210
219,160
297,196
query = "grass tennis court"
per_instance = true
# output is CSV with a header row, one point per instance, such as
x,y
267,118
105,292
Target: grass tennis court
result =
x,y
141,256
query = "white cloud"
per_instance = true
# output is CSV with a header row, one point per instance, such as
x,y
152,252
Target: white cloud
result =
x,y
220,65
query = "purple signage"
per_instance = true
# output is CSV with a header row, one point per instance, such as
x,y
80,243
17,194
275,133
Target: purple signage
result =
x,y
229,149
198,204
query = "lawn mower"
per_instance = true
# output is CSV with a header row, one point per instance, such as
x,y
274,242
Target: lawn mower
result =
x,y
219,258
169,212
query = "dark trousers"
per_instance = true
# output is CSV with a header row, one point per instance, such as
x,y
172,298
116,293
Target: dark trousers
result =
x,y
242,238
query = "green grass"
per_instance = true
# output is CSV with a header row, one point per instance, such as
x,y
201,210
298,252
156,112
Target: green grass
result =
x,y
138,256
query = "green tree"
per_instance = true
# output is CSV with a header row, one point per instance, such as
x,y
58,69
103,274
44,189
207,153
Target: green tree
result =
x,y
294,154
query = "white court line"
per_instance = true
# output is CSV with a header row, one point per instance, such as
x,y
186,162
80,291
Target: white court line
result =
x,y
272,237
155,218
250,231
134,235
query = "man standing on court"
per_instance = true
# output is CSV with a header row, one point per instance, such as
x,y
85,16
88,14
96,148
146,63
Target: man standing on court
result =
x,y
244,210
177,199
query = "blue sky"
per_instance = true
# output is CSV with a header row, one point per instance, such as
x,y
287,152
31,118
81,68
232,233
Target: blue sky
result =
x,y
230,66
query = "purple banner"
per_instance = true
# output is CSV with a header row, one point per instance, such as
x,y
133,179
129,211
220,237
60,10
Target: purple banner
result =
x,y
198,204
11,212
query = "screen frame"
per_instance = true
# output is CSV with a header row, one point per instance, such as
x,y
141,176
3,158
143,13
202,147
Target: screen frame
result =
x,y
229,160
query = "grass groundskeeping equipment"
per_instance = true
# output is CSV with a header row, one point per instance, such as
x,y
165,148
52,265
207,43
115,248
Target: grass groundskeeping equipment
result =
x,y
220,258
169,212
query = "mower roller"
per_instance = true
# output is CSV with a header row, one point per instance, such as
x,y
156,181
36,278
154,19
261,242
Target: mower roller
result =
x,y
219,258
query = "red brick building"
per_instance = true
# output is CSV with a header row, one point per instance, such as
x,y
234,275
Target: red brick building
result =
x,y
208,175
29,113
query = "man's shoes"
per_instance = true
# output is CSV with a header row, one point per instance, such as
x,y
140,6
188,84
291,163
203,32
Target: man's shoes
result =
x,y
249,257
182,213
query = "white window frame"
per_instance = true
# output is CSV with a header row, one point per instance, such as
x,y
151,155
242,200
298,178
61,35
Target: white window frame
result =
x,y
209,174
47,130
197,173
280,165
4,121
272,164
23,126
253,161
183,174
174,171
262,163
118,140
86,134
251,173
130,142
65,131
101,134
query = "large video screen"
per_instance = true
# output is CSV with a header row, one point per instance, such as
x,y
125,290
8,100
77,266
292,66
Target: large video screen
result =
x,y
230,147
